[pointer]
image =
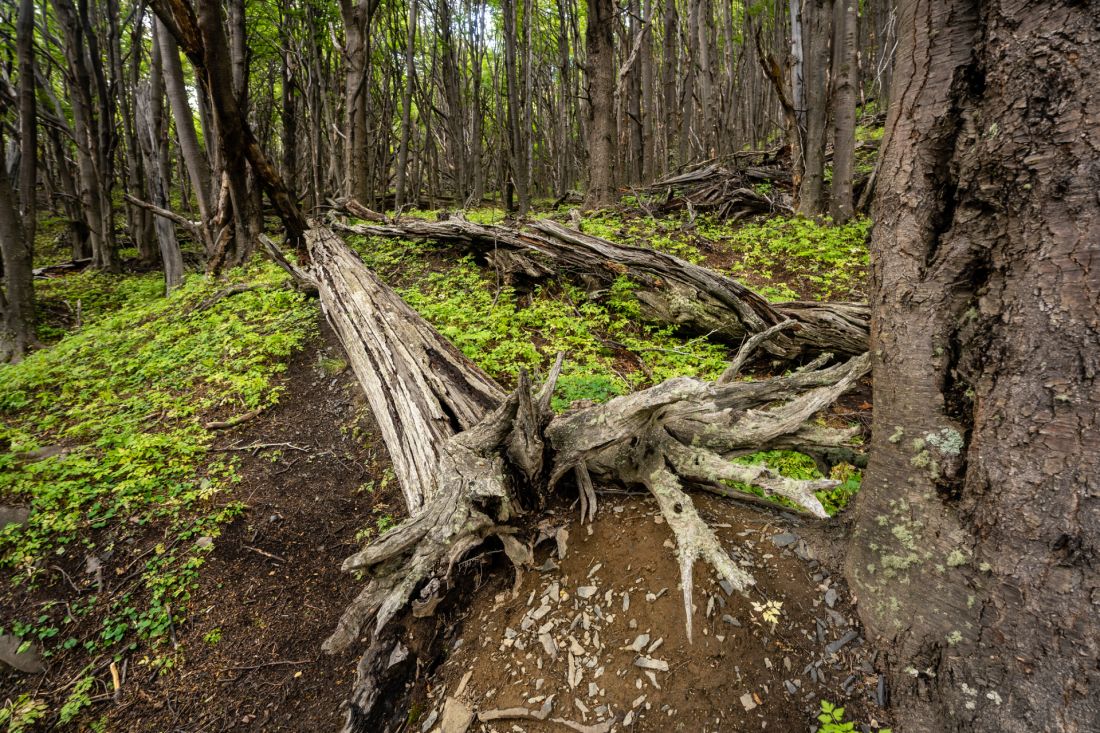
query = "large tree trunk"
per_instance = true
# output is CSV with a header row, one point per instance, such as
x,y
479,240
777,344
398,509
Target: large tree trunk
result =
x,y
471,461
974,553
669,289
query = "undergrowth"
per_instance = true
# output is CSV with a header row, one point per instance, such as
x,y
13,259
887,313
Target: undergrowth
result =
x,y
127,505
609,350
828,261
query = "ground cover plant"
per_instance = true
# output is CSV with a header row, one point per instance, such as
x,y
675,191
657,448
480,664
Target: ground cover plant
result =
x,y
104,438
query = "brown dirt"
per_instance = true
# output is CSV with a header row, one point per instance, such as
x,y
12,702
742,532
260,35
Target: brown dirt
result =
x,y
272,589
735,653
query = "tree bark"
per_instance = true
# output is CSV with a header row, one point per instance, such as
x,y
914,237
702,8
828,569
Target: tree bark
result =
x,y
18,215
195,159
148,113
816,16
516,135
406,109
599,45
974,551
846,83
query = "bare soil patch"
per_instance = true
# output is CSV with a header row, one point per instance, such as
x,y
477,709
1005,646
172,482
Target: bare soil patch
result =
x,y
272,589
577,636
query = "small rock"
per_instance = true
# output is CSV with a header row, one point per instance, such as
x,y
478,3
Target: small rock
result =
x,y
830,597
649,663
843,641
429,721
639,643
586,591
747,702
17,515
29,661
730,620
457,717
784,539
628,718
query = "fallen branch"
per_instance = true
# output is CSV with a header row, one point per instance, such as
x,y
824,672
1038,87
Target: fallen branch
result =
x,y
471,459
669,290
234,421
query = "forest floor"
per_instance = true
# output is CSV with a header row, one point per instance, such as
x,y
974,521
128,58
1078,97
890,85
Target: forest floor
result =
x,y
309,483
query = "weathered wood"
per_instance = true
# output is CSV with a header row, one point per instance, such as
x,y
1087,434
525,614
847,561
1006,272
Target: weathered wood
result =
x,y
670,290
470,460
421,388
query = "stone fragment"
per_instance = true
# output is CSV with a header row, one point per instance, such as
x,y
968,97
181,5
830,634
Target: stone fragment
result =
x,y
784,539
28,660
457,716
849,636
747,702
649,663
586,591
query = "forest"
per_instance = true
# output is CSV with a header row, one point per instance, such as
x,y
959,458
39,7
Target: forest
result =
x,y
544,365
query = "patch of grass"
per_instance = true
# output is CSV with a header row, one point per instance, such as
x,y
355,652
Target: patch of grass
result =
x,y
85,298
609,351
664,234
831,261
134,499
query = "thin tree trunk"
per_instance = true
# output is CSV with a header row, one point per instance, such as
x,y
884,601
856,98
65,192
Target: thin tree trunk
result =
x,y
149,121
17,217
599,43
406,108
846,76
816,16
517,152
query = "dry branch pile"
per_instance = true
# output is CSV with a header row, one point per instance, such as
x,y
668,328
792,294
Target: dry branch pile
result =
x,y
473,461
728,193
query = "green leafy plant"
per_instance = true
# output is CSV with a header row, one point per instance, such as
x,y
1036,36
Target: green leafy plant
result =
x,y
120,404
832,720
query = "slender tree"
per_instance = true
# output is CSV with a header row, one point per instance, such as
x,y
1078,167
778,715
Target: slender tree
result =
x,y
599,47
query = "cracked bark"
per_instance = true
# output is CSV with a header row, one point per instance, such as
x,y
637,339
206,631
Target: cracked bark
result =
x,y
974,552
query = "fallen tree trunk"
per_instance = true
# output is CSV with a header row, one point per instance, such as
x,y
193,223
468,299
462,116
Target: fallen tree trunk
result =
x,y
473,461
670,289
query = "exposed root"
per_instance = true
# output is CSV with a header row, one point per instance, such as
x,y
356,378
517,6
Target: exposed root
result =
x,y
470,460
695,540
